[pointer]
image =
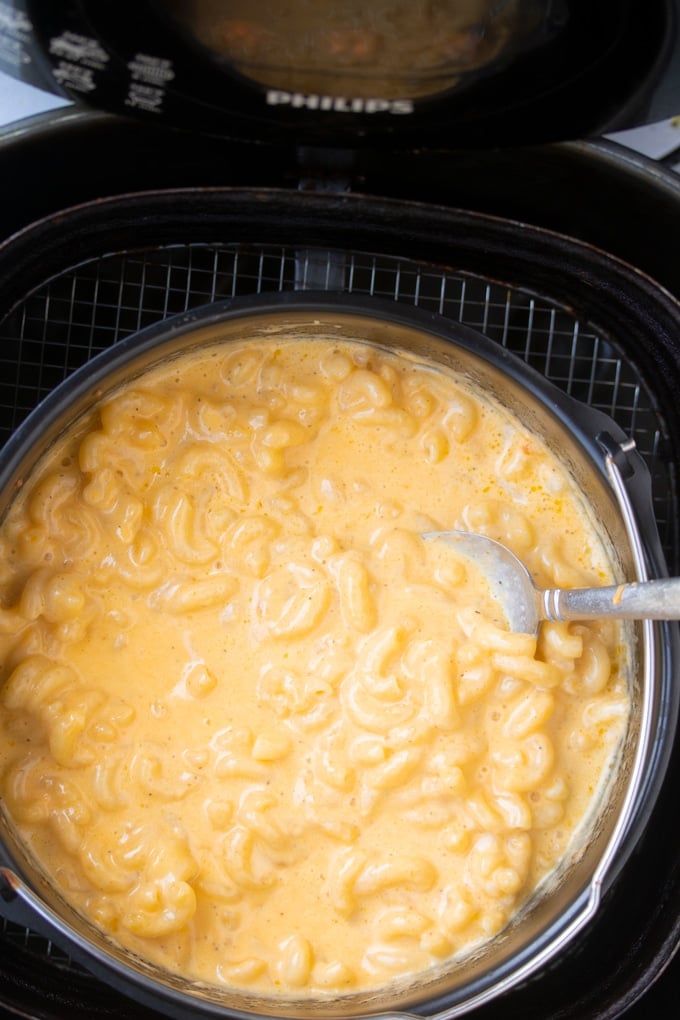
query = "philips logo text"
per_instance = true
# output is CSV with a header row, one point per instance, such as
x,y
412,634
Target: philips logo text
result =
x,y
337,104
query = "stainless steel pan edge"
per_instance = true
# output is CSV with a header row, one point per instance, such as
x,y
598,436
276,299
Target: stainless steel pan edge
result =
x,y
621,476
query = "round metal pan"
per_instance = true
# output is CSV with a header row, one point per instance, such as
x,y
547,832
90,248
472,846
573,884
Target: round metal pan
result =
x,y
609,474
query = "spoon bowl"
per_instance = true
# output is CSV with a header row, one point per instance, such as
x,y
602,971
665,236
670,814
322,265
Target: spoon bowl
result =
x,y
525,605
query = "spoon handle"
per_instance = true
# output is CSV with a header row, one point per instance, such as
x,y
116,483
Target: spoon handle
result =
x,y
648,600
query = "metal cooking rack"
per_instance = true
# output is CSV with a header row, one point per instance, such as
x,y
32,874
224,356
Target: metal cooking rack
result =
x,y
92,305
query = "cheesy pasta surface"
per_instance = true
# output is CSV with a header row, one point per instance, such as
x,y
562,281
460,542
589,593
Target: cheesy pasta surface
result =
x,y
251,724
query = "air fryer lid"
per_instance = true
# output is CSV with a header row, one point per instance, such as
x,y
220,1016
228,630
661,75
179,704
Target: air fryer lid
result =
x,y
450,74
589,439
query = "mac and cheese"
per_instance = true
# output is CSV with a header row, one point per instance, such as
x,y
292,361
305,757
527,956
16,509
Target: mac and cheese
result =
x,y
252,725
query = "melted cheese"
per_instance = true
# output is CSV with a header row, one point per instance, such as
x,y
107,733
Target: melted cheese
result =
x,y
252,725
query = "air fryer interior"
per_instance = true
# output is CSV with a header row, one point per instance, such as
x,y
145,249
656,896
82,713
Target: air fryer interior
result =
x,y
83,308
569,430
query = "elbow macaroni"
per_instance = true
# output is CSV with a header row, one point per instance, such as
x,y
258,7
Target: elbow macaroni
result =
x,y
258,730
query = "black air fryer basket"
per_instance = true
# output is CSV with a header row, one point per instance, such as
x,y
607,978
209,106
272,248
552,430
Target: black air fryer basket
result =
x,y
598,329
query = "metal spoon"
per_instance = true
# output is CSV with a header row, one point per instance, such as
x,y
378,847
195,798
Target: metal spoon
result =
x,y
525,605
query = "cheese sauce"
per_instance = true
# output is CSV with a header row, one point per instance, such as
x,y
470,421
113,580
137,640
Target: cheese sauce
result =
x,y
251,724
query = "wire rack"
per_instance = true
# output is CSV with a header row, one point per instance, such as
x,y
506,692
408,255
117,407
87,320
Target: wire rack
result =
x,y
67,320
91,306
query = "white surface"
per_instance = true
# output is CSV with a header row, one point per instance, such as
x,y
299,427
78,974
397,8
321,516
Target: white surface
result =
x,y
654,140
18,100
